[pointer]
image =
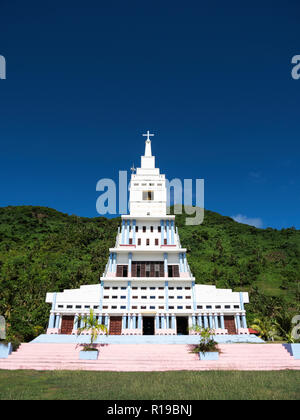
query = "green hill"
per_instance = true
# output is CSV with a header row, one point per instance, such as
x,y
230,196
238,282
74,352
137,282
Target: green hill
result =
x,y
44,250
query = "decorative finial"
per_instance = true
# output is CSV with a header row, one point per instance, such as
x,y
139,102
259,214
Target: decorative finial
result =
x,y
148,135
133,170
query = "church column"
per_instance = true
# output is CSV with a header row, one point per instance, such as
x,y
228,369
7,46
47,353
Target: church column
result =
x,y
127,232
167,294
106,320
222,322
244,321
134,232
237,321
123,232
156,323
163,321
205,321
162,227
129,321
51,323
133,321
57,321
75,322
139,321
194,323
110,262
173,322
194,296
123,322
129,292
184,263
114,262
168,232
166,264
81,321
216,322
242,301
172,233
180,263
199,321
101,295
210,318
129,263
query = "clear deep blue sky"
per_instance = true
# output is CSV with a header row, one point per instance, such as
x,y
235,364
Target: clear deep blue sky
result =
x,y
212,80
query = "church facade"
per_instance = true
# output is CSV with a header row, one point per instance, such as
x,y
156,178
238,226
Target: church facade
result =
x,y
147,287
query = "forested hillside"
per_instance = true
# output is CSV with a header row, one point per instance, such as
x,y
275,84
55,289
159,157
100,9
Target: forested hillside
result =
x,y
44,250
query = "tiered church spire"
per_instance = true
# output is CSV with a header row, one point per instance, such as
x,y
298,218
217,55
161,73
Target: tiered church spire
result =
x,y
148,152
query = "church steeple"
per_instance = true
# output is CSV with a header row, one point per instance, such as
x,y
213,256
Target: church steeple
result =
x,y
148,196
148,152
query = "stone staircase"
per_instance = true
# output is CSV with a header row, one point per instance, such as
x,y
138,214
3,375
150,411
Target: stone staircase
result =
x,y
149,357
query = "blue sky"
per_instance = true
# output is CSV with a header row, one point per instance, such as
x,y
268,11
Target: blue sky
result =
x,y
212,80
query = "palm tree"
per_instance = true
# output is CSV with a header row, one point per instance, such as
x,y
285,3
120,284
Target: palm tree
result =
x,y
266,328
207,342
284,326
91,324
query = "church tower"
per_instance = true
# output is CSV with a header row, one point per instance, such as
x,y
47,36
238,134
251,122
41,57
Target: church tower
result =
x,y
148,253
147,287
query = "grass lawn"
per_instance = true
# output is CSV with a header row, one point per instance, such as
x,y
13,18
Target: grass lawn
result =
x,y
149,385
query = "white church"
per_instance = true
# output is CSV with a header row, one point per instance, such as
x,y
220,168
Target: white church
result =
x,y
147,287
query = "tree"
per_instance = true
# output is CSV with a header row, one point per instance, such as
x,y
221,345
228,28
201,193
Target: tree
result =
x,y
284,326
207,343
91,325
266,328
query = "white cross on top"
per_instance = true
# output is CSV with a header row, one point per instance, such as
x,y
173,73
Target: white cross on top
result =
x,y
148,135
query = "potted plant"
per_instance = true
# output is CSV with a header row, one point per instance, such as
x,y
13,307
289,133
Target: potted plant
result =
x,y
208,347
5,345
91,325
5,349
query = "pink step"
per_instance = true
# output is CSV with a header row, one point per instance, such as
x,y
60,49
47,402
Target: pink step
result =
x,y
149,357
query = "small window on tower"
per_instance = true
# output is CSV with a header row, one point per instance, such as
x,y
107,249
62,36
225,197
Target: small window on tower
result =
x,y
148,195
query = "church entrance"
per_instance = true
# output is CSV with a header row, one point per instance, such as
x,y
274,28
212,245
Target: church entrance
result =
x,y
67,323
230,324
182,325
148,325
115,325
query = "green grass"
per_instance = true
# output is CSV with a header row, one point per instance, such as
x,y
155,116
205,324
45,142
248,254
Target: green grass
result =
x,y
150,386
